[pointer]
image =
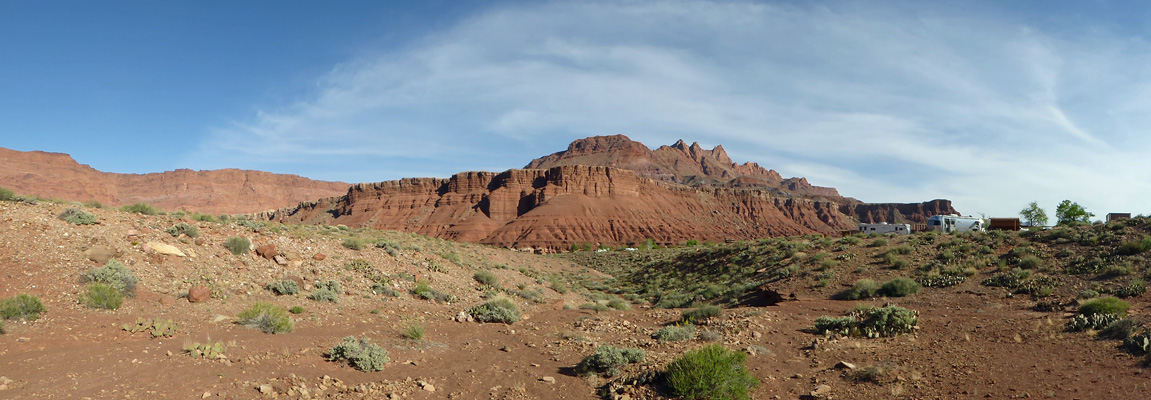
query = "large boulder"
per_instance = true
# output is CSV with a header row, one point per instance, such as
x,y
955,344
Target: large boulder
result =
x,y
199,294
165,249
101,254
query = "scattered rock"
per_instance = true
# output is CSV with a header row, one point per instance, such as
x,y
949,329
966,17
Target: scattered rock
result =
x,y
548,379
206,395
280,259
200,241
266,389
319,257
463,316
299,281
166,300
165,249
199,293
295,264
427,386
844,364
267,251
101,254
821,391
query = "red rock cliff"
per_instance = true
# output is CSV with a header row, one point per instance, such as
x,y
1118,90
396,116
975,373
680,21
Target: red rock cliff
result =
x,y
230,191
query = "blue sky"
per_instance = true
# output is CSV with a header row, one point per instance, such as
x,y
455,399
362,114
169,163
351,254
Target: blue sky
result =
x,y
990,104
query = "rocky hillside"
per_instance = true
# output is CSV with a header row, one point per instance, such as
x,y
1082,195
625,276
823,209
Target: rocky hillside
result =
x,y
230,191
606,190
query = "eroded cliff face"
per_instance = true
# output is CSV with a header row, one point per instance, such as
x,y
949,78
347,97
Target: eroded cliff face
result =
x,y
898,213
226,191
561,206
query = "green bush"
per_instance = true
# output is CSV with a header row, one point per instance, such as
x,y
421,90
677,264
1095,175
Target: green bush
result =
x,y
902,249
183,228
326,291
870,322
353,243
1121,329
702,313
423,290
879,242
862,289
1087,294
899,287
486,278
1105,305
101,295
22,306
497,310
115,274
1029,262
140,208
1136,247
238,245
360,354
284,287
619,304
607,360
296,310
76,216
712,372
413,330
675,333
7,194
267,317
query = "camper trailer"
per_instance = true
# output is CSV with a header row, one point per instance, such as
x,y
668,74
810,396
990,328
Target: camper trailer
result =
x,y
955,223
883,227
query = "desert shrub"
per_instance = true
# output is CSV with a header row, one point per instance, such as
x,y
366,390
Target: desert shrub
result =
x,y
423,290
712,372
702,313
899,287
326,291
1105,305
353,243
674,300
140,208
870,322
7,194
1081,322
1135,288
21,306
360,354
183,228
1136,247
76,216
115,274
203,217
941,281
1088,294
593,306
862,289
902,249
384,289
284,287
852,240
900,264
879,242
675,333
608,359
267,317
619,304
238,245
486,278
1121,329
413,330
1139,343
101,295
497,310
296,310
1029,262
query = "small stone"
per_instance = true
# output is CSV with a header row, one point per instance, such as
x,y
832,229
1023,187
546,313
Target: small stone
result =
x,y
198,294
169,353
844,364
165,249
266,389
101,254
280,259
200,241
206,395
319,257
267,251
548,379
427,386
463,316
821,391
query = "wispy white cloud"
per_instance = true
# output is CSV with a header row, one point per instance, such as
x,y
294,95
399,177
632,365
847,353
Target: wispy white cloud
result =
x,y
884,103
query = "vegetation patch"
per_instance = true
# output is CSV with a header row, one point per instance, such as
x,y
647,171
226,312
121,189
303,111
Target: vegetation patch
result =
x,y
238,245
497,310
711,372
102,296
675,333
1105,305
870,322
326,291
140,208
21,306
266,317
115,274
284,287
702,313
154,326
360,353
76,216
183,228
607,360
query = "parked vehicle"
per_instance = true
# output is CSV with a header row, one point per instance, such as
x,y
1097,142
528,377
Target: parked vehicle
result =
x,y
883,227
955,223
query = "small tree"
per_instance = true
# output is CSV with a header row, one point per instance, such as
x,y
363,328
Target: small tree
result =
x,y
1034,215
1070,213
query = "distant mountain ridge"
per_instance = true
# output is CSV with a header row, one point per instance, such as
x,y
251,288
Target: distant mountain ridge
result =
x,y
225,191
606,190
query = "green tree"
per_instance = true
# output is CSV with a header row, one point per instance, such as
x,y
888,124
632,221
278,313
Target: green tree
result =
x,y
1033,215
1070,213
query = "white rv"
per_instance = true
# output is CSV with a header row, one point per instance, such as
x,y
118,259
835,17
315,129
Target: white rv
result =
x,y
883,227
955,223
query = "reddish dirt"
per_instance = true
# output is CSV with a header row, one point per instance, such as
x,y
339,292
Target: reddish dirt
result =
x,y
972,342
225,191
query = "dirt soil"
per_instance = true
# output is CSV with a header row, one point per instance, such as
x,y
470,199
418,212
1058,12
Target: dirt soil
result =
x,y
972,343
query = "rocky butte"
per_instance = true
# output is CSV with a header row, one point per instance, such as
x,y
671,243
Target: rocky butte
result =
x,y
225,191
606,190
